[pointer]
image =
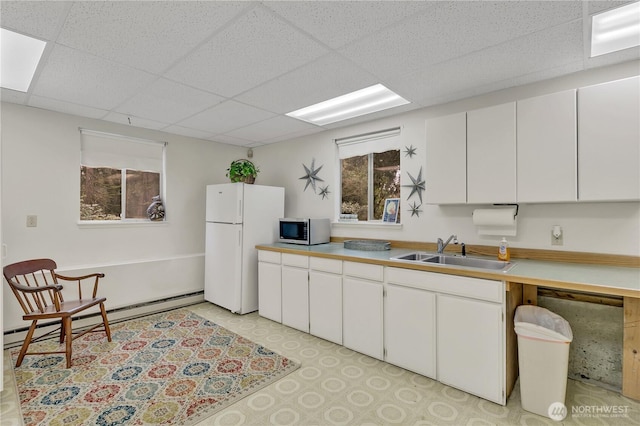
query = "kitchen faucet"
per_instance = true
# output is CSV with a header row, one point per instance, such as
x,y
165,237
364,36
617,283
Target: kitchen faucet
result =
x,y
442,245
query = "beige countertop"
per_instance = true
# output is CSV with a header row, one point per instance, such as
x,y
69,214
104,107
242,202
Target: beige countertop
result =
x,y
599,279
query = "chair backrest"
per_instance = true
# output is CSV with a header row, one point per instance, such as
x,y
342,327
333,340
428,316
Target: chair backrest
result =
x,y
25,275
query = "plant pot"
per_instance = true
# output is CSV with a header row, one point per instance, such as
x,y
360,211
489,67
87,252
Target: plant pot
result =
x,y
249,179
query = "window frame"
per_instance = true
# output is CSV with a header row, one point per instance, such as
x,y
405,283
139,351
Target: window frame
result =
x,y
124,221
376,143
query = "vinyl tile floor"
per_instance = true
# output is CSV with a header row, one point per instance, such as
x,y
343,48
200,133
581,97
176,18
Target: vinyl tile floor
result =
x,y
337,386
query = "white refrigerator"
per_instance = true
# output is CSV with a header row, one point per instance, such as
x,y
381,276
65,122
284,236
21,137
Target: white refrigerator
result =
x,y
238,217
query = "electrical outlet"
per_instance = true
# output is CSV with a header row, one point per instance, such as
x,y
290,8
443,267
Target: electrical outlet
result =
x,y
32,221
556,236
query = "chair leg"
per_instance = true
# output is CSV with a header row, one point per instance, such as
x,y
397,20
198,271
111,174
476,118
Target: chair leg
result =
x,y
69,337
25,344
105,322
62,331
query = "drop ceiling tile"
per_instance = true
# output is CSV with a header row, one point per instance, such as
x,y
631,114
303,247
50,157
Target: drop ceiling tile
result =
x,y
80,78
145,35
13,96
243,56
230,140
271,128
168,102
453,29
339,23
225,117
328,77
41,19
185,131
600,6
134,121
507,61
66,107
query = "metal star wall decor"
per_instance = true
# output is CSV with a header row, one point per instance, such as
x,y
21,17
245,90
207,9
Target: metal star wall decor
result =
x,y
417,185
410,151
415,209
324,192
312,175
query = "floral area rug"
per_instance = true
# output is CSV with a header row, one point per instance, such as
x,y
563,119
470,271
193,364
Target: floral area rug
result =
x,y
170,368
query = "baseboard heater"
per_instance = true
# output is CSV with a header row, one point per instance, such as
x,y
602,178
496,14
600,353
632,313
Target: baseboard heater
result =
x,y
14,338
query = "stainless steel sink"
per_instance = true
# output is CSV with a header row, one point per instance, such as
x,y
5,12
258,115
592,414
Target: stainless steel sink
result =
x,y
464,261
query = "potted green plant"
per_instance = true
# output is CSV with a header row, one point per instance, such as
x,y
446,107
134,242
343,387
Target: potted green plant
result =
x,y
242,171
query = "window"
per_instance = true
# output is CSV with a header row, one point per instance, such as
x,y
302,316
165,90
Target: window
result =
x,y
370,173
119,176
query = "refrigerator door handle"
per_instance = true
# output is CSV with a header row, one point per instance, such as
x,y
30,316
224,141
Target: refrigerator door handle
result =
x,y
240,208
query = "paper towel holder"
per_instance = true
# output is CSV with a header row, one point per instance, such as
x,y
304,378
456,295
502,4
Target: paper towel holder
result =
x,y
510,205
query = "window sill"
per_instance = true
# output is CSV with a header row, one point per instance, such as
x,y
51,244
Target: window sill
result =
x,y
119,223
367,224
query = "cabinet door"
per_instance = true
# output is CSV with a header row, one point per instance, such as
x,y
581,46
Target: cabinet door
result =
x,y
362,316
547,152
608,135
470,346
295,298
269,291
325,306
446,171
491,154
410,329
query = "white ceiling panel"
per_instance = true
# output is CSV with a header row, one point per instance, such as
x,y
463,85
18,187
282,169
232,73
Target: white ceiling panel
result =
x,y
131,120
339,23
225,117
312,83
95,82
168,102
254,49
271,129
40,19
66,107
230,71
149,36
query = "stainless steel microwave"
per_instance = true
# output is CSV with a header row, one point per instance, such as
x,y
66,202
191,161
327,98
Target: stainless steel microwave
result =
x,y
305,231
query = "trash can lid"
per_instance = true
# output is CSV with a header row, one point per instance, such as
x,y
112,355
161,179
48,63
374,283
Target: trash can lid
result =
x,y
540,323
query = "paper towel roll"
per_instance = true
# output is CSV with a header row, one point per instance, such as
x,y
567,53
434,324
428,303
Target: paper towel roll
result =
x,y
500,222
494,217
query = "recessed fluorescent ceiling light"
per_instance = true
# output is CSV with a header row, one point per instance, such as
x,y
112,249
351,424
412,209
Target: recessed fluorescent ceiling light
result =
x,y
361,102
615,29
19,57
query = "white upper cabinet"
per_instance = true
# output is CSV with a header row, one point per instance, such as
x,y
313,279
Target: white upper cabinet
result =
x,y
546,154
609,141
491,154
446,174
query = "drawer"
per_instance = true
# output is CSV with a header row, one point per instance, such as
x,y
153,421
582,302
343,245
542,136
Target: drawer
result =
x,y
326,265
295,260
268,256
475,288
364,270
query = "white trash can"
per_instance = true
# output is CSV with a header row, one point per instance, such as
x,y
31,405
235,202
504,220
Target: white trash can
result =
x,y
543,353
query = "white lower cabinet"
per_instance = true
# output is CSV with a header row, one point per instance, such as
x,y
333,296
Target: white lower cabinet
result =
x,y
362,316
471,346
450,328
269,285
410,329
325,299
362,309
295,291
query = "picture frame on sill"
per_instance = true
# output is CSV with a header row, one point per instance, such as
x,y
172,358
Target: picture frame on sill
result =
x,y
391,210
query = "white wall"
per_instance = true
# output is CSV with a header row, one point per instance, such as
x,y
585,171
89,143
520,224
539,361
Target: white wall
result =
x,y
602,228
40,176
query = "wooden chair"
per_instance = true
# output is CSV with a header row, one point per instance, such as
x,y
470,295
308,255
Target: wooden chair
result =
x,y
35,285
